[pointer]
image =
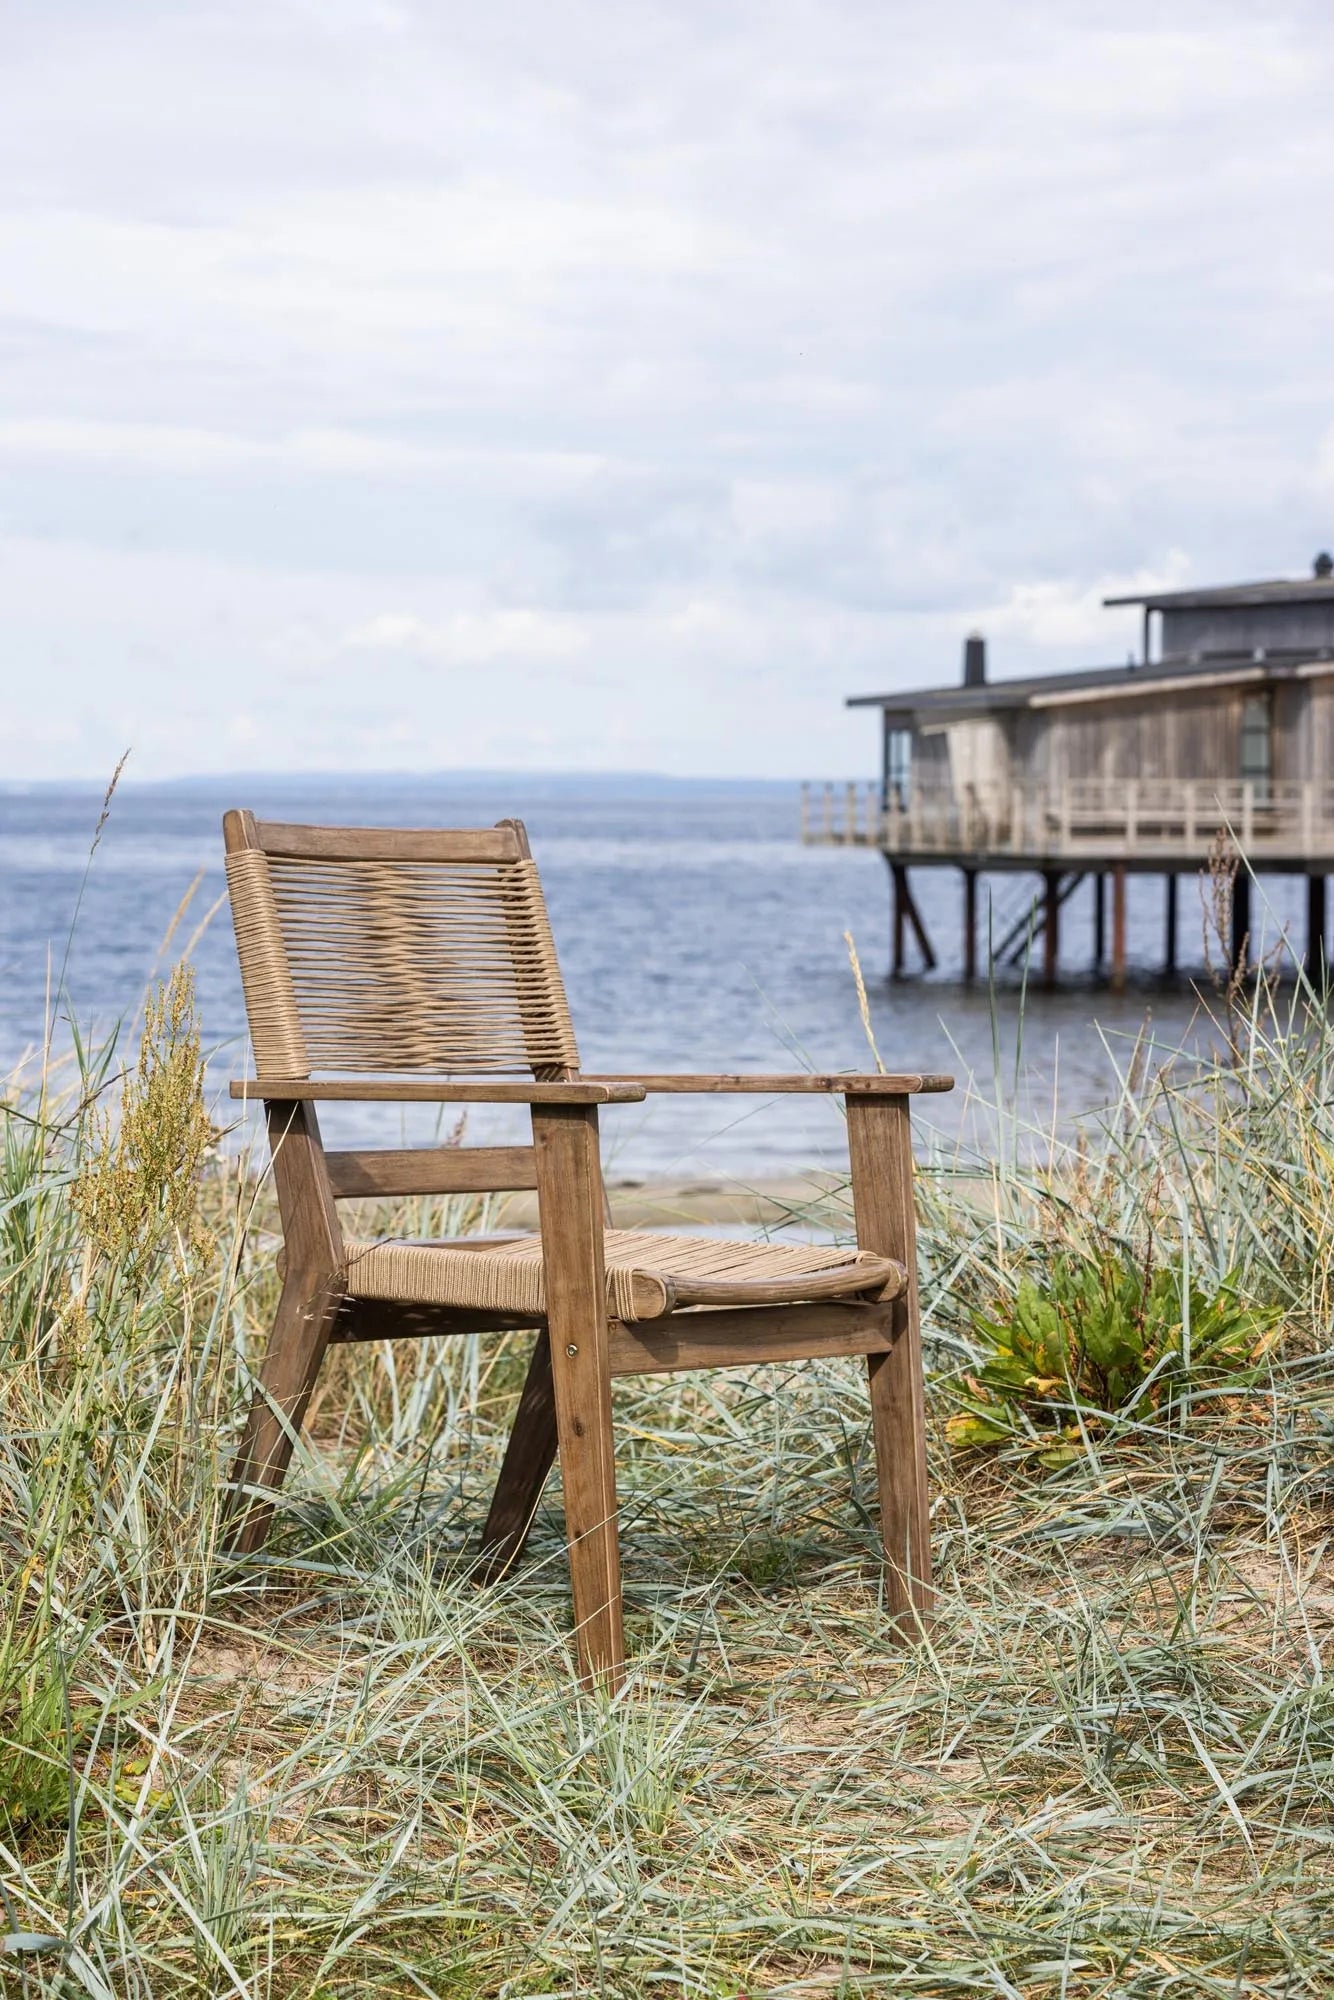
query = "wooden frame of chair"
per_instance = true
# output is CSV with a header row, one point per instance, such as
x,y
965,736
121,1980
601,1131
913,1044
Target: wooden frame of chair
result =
x,y
565,1409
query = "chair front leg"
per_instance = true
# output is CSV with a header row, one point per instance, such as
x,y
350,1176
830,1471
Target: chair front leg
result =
x,y
301,1328
312,1293
880,1145
570,1211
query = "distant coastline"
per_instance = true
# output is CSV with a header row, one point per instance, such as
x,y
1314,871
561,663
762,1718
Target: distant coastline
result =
x,y
632,783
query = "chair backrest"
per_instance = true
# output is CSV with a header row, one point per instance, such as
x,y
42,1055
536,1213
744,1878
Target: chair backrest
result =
x,y
368,949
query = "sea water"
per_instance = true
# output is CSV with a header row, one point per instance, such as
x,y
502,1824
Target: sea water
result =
x,y
694,930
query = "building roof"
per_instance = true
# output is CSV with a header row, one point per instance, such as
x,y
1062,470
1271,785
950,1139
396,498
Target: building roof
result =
x,y
1277,590
990,697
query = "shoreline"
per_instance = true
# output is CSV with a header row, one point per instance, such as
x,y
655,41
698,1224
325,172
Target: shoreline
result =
x,y
699,1199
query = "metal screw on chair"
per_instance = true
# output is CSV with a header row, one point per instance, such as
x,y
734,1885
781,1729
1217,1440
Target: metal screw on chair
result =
x,y
572,1349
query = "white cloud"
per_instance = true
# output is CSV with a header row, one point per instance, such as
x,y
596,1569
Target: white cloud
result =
x,y
470,638
589,384
162,447
172,448
1062,613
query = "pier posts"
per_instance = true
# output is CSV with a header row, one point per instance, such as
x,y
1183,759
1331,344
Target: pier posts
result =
x,y
1051,926
1118,981
1170,929
1315,929
905,911
1241,918
971,923
919,930
1099,920
898,889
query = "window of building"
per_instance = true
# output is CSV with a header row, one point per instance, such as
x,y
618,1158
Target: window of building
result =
x,y
898,764
1257,743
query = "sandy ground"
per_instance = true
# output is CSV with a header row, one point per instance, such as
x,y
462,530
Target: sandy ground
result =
x,y
665,1204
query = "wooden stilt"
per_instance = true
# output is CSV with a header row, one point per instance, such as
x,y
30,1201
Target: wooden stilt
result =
x,y
1017,943
1315,928
1241,919
1118,929
1170,928
898,885
970,923
910,910
1051,927
1099,920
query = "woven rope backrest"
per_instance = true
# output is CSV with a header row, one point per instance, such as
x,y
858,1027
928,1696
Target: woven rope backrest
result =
x,y
424,960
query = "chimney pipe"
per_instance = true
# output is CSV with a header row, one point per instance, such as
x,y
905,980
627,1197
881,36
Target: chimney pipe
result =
x,y
974,660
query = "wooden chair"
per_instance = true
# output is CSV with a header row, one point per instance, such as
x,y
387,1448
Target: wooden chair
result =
x,y
419,967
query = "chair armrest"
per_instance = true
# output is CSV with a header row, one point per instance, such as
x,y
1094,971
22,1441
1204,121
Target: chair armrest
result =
x,y
799,1083
416,1090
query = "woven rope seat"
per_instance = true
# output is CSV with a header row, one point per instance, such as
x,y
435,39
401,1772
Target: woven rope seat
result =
x,y
648,1275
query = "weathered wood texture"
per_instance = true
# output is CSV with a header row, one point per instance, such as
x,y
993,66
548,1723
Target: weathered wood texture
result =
x,y
763,1084
744,1338
1051,926
1314,731
405,1319
311,1296
309,1303
1187,733
969,924
432,1170
569,1195
444,1090
378,843
880,1145
1118,929
529,1457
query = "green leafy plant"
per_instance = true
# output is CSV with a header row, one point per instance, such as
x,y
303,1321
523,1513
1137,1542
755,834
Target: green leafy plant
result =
x,y
1101,1336
41,1725
34,1750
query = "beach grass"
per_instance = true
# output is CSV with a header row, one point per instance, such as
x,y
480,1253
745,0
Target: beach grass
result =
x,y
342,1768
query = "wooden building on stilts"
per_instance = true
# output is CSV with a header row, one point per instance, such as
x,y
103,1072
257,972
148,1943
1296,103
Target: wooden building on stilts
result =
x,y
1224,725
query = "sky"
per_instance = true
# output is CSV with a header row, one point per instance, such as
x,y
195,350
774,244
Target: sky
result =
x,y
400,386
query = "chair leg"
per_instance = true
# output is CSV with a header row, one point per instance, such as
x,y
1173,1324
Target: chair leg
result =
x,y
569,1189
529,1457
589,1481
898,1425
588,1476
292,1360
880,1144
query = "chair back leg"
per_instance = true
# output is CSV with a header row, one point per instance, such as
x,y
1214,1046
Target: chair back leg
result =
x,y
880,1146
529,1457
569,1194
301,1328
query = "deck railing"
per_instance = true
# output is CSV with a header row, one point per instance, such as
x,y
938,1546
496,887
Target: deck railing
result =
x,y
1125,818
